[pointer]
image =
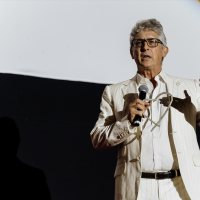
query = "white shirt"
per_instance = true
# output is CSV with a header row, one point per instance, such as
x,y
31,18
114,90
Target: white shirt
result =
x,y
157,146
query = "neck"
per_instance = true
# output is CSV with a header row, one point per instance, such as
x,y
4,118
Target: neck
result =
x,y
150,74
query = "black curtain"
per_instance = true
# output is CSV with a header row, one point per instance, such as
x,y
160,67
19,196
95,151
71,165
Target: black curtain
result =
x,y
54,119
45,138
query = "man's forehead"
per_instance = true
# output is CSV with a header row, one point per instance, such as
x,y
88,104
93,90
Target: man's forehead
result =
x,y
145,33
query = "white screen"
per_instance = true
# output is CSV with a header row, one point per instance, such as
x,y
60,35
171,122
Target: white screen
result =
x,y
89,40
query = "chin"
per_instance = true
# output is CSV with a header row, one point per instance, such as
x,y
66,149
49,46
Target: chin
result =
x,y
147,66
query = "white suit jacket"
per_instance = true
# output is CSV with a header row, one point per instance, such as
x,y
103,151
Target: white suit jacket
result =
x,y
111,129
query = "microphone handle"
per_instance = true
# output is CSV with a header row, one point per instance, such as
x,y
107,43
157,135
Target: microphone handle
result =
x,y
137,119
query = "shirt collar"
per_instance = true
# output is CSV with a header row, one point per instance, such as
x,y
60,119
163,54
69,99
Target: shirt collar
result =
x,y
141,80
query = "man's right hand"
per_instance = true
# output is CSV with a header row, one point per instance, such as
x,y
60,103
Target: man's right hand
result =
x,y
134,106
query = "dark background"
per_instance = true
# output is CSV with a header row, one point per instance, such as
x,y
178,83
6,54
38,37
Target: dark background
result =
x,y
54,119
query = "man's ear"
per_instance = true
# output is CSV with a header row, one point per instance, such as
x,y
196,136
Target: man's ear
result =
x,y
165,51
131,52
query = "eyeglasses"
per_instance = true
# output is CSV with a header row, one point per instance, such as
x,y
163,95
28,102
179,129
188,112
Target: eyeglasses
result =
x,y
151,42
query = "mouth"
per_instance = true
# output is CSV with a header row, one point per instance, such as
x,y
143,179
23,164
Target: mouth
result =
x,y
145,57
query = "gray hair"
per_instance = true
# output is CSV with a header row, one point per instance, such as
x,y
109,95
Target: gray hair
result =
x,y
150,24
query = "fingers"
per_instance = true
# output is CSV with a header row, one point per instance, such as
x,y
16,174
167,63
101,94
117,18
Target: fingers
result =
x,y
165,101
144,103
137,107
133,113
139,102
147,103
147,106
141,107
186,93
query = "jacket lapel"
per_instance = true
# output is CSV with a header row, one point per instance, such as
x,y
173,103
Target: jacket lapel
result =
x,y
173,87
130,86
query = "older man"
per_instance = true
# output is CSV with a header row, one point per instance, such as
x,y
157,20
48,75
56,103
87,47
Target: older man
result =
x,y
154,162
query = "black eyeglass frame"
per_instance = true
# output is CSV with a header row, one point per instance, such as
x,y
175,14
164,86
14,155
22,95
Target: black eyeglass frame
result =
x,y
145,40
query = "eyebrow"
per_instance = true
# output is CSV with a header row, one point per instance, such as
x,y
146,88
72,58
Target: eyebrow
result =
x,y
145,39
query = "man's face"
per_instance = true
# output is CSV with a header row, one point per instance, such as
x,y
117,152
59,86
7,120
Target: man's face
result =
x,y
154,61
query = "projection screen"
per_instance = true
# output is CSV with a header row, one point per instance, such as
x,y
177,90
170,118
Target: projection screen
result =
x,y
89,40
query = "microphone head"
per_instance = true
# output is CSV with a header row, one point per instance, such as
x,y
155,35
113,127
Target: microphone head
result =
x,y
143,88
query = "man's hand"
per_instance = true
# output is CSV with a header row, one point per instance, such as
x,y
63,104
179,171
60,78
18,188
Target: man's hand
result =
x,y
137,104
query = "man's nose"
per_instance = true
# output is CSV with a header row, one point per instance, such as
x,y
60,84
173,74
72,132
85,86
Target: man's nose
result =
x,y
144,46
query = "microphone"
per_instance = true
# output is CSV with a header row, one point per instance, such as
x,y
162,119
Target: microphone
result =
x,y
143,89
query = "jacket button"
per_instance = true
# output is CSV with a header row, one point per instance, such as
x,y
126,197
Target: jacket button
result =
x,y
138,158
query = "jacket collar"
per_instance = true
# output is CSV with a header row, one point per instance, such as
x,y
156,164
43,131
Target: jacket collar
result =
x,y
141,80
131,86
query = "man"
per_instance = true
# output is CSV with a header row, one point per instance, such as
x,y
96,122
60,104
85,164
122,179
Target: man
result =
x,y
161,163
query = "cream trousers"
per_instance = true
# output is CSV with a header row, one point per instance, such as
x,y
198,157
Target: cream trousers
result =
x,y
165,189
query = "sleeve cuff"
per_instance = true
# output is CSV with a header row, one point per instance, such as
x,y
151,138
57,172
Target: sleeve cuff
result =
x,y
125,127
131,129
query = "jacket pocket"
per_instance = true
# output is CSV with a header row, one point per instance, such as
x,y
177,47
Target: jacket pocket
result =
x,y
120,169
196,160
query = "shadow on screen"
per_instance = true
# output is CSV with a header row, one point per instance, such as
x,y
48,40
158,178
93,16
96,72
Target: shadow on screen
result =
x,y
20,181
